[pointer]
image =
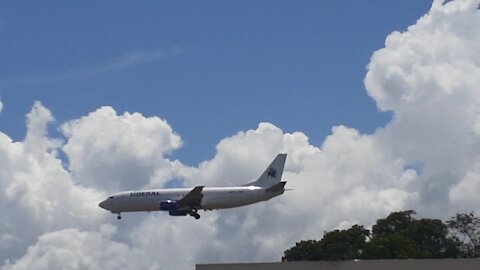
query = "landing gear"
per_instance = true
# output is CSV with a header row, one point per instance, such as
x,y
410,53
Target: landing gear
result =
x,y
119,217
194,214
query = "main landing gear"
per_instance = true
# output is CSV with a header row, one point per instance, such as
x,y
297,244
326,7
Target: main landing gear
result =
x,y
194,214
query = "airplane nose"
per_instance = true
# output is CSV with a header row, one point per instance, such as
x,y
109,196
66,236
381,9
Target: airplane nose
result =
x,y
103,205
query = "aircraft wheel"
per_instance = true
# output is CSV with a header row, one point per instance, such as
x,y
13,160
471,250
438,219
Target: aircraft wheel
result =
x,y
119,217
196,216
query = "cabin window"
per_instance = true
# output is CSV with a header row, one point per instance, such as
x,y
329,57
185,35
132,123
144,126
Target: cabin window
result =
x,y
111,197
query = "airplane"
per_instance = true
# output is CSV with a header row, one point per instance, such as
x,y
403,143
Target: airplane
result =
x,y
187,201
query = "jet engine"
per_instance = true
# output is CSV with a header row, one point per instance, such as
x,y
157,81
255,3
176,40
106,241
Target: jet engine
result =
x,y
171,207
178,212
168,205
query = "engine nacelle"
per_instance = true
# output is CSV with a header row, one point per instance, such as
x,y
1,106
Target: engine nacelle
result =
x,y
178,213
168,205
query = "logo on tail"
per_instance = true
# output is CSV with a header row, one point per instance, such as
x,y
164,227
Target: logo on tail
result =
x,y
272,172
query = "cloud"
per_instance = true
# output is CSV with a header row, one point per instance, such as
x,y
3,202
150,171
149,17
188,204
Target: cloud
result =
x,y
37,193
114,152
120,62
124,61
74,249
260,232
342,175
425,159
429,76
130,59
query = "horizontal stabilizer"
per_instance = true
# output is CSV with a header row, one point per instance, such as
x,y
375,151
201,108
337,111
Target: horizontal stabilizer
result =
x,y
277,187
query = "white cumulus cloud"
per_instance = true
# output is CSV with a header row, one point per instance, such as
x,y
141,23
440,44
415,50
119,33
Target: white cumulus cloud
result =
x,y
37,193
429,76
74,249
114,152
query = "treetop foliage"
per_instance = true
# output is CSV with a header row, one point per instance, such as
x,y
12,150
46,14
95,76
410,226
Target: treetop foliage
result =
x,y
398,236
465,230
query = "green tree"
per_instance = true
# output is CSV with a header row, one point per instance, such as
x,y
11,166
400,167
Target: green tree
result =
x,y
343,244
395,223
303,251
391,246
465,231
335,245
400,236
432,238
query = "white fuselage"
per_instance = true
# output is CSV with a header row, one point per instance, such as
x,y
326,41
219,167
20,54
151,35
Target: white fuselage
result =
x,y
213,198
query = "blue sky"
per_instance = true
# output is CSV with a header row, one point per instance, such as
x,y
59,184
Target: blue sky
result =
x,y
210,68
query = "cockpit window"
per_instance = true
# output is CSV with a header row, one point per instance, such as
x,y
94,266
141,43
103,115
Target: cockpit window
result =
x,y
111,197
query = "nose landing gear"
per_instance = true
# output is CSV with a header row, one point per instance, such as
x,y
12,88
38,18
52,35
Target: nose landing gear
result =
x,y
119,217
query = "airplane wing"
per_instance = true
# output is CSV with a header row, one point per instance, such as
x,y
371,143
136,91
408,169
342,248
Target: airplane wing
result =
x,y
192,199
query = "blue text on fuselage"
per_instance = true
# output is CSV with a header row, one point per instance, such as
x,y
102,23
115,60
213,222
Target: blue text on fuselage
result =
x,y
145,193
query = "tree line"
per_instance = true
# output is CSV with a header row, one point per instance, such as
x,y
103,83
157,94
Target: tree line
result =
x,y
398,236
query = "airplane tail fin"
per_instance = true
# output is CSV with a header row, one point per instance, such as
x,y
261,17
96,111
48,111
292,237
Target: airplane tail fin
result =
x,y
272,175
